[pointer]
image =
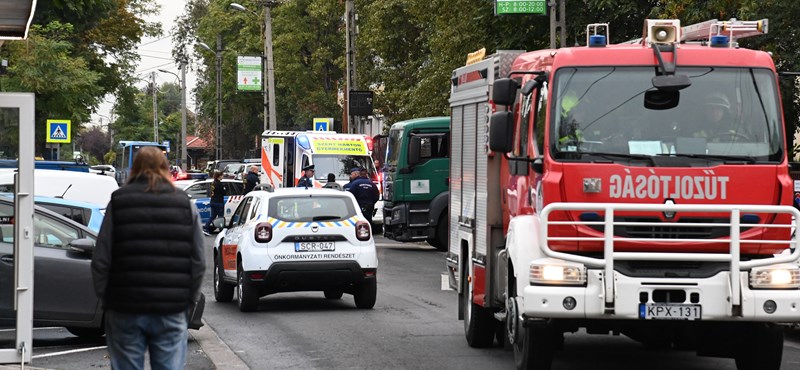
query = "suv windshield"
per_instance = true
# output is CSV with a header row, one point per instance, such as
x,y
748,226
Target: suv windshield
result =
x,y
726,114
311,208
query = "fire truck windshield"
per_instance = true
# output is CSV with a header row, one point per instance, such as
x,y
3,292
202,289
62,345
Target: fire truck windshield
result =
x,y
599,114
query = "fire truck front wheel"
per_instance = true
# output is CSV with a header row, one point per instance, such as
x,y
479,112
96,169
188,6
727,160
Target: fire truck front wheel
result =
x,y
536,347
479,323
761,347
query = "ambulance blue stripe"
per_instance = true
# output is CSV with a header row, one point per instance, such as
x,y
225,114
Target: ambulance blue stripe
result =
x,y
291,224
337,223
275,224
308,224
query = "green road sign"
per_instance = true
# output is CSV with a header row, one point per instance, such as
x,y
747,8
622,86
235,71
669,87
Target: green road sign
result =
x,y
520,7
248,73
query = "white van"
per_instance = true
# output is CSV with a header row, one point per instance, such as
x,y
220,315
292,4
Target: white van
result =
x,y
82,186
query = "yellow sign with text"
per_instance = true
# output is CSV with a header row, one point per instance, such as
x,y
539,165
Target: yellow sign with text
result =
x,y
333,146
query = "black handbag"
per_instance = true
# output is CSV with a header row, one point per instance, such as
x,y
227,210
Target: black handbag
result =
x,y
196,312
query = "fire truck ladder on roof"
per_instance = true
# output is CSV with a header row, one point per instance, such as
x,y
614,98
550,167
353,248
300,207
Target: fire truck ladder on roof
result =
x,y
734,29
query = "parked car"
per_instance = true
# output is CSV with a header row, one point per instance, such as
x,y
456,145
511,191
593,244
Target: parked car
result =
x,y
220,164
295,239
85,213
63,292
179,174
232,170
104,169
199,191
85,187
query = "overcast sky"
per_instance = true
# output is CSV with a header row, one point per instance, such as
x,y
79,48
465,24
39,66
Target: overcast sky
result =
x,y
156,53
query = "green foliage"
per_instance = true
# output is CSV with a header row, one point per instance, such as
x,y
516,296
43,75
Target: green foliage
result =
x,y
110,157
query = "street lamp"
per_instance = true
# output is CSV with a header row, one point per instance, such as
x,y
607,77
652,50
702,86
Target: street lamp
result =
x,y
182,67
269,97
218,55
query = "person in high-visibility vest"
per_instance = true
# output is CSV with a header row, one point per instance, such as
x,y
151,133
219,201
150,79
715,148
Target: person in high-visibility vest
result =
x,y
572,113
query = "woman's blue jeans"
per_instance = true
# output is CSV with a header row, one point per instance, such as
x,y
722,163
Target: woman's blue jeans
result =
x,y
129,335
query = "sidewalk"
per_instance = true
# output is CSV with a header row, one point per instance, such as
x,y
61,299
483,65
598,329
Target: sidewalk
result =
x,y
215,354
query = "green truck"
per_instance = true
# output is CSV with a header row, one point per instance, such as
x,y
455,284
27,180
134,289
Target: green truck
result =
x,y
416,181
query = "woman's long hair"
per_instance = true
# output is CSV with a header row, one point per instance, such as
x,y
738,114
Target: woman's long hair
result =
x,y
151,164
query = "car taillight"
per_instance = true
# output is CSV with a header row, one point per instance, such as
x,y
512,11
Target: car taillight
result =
x,y
362,230
263,232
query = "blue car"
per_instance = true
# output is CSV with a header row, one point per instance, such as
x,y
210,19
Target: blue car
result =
x,y
198,190
87,214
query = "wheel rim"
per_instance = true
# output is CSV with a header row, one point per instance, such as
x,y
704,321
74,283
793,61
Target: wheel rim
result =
x,y
216,277
511,320
239,287
467,303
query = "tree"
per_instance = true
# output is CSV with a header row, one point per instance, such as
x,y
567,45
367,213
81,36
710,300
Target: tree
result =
x,y
96,143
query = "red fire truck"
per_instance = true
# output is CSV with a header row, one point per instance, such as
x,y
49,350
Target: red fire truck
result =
x,y
640,188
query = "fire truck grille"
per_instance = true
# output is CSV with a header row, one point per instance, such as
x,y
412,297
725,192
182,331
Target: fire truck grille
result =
x,y
689,231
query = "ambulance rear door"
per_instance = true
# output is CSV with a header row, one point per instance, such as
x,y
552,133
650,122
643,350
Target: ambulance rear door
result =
x,y
273,160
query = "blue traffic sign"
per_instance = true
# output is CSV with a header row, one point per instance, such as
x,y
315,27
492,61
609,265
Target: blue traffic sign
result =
x,y
58,131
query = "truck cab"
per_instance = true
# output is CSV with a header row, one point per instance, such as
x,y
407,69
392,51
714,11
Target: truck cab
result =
x,y
416,181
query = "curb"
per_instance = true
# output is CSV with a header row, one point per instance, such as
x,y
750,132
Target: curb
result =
x,y
217,351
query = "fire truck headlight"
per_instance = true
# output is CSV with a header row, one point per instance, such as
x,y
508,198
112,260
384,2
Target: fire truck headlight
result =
x,y
556,272
775,277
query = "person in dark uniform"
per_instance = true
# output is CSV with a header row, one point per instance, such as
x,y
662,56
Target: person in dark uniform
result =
x,y
217,202
366,194
308,177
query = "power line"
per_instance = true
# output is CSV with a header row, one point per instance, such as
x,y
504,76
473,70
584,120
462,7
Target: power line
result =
x,y
152,68
157,40
155,57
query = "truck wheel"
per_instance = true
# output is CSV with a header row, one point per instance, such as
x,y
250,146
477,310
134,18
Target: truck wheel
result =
x,y
761,348
366,294
479,324
248,296
439,239
223,292
535,348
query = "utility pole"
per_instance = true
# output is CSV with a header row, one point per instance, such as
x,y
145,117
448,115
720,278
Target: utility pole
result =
x,y
155,107
218,135
350,26
183,115
557,22
269,69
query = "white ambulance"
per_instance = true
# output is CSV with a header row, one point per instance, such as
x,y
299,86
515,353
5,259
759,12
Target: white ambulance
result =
x,y
285,153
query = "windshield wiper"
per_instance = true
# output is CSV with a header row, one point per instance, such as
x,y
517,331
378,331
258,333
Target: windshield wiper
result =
x,y
724,158
323,218
617,156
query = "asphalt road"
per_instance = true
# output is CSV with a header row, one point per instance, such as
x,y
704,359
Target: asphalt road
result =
x,y
413,326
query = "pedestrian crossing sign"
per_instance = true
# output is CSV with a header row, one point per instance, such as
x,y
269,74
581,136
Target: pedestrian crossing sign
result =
x,y
58,131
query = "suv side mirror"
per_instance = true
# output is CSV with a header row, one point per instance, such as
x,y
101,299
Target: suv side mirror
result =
x,y
413,150
501,132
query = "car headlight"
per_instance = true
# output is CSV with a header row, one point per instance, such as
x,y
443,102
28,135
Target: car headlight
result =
x,y
784,276
557,272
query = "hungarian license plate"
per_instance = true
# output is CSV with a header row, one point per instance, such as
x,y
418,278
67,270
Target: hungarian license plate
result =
x,y
314,246
670,311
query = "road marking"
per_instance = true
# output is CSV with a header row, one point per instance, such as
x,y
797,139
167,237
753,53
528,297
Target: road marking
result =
x,y
445,281
69,352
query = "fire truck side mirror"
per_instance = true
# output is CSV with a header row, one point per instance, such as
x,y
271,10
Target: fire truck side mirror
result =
x,y
413,150
504,91
501,132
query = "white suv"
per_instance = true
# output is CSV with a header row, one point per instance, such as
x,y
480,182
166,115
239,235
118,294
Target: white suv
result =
x,y
295,239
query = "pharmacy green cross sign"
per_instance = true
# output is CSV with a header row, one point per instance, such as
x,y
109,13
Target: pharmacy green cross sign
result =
x,y
520,7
